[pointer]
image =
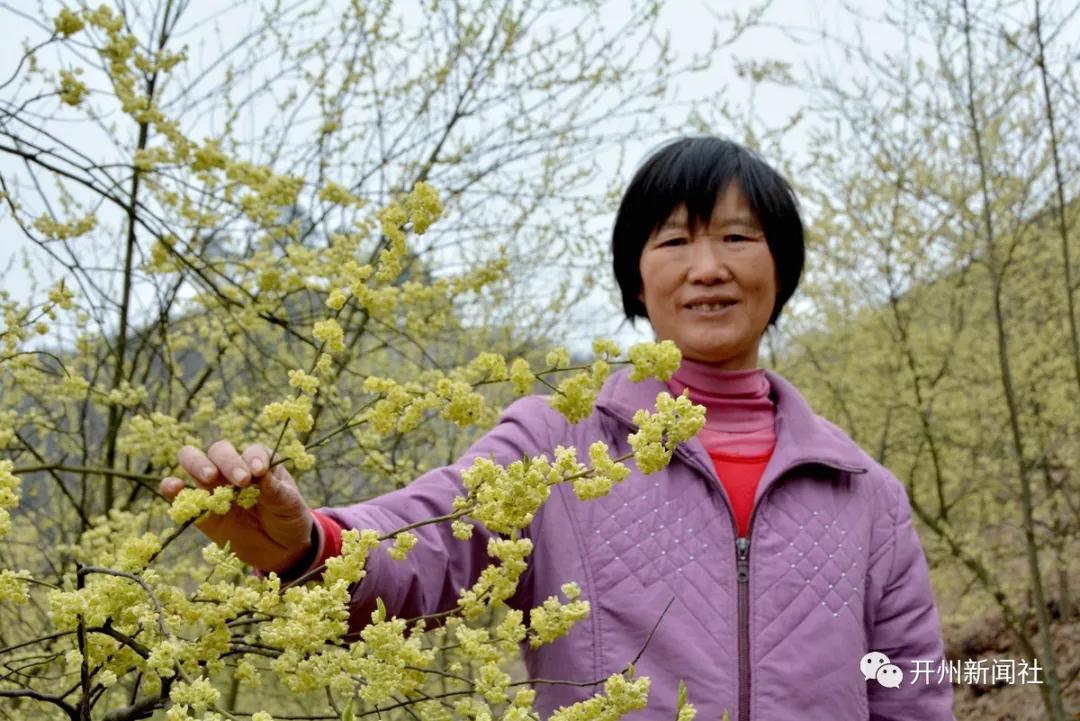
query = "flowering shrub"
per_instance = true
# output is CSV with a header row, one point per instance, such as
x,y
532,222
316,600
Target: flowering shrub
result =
x,y
270,300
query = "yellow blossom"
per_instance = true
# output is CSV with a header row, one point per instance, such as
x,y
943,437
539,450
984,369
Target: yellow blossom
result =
x,y
330,333
298,455
654,360
620,697
336,299
676,420
67,23
295,410
424,206
521,376
558,358
200,694
553,620
13,586
9,494
403,543
301,380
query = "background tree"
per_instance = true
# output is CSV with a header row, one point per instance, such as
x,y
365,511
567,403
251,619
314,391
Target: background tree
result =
x,y
941,315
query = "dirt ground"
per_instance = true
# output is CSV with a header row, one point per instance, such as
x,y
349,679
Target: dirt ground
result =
x,y
1013,702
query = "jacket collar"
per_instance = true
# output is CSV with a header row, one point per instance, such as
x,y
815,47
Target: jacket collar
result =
x,y
802,437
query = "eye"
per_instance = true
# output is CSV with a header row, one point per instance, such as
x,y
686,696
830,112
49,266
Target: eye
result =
x,y
737,238
671,242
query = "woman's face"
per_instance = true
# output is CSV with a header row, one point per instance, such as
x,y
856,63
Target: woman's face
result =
x,y
711,292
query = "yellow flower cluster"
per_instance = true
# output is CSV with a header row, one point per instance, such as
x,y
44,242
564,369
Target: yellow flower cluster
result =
x,y
392,661
485,367
98,545
328,331
199,694
158,437
67,23
606,349
686,713
553,620
72,90
403,543
193,502
557,358
62,296
60,230
506,499
401,406
521,376
654,360
424,207
295,410
576,395
676,420
247,497
306,619
620,697
127,395
492,682
9,494
134,552
336,194
464,406
496,582
298,455
308,384
349,566
336,299
13,586
606,473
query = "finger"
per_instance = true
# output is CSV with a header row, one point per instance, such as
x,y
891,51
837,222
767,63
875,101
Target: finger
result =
x,y
284,513
257,458
170,487
281,492
199,467
229,463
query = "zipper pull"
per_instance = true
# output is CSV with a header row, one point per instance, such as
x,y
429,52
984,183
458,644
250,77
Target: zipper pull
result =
x,y
742,552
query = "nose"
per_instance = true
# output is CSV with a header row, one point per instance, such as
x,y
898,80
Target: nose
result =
x,y
707,262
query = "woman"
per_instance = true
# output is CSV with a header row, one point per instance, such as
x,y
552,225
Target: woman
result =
x,y
786,553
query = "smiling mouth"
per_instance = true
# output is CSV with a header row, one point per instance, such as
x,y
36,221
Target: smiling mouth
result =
x,y
710,306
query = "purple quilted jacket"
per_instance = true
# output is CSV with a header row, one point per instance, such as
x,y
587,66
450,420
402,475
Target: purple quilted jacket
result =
x,y
771,627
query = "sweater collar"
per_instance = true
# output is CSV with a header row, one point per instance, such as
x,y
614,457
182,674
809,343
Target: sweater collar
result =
x,y
802,436
735,401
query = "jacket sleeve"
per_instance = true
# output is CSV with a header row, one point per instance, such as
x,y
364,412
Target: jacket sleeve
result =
x,y
429,580
906,629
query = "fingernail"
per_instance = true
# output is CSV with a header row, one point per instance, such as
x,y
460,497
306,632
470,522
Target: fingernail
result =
x,y
239,475
206,473
256,466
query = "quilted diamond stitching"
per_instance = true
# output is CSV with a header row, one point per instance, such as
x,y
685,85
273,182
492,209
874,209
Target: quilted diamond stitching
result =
x,y
654,538
816,555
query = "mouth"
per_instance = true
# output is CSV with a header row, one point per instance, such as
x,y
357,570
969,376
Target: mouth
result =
x,y
712,307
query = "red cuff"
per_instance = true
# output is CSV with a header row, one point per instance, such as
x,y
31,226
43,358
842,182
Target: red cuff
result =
x,y
329,539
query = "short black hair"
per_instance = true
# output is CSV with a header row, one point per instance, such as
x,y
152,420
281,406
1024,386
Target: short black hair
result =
x,y
694,171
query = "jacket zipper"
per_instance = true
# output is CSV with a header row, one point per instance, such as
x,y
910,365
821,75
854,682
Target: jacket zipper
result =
x,y
742,565
742,574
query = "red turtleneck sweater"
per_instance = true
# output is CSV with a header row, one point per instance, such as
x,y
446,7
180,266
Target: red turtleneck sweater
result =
x,y
739,432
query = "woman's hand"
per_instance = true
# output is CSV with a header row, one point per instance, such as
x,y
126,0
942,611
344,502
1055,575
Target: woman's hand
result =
x,y
272,535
